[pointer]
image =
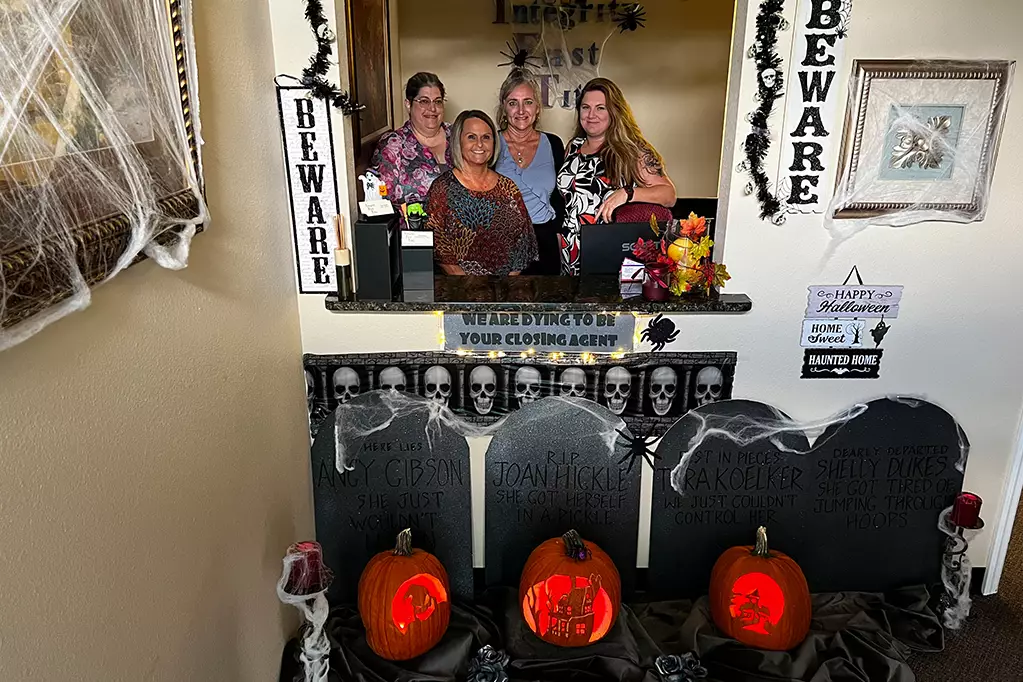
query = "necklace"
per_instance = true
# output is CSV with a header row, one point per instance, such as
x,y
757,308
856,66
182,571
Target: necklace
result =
x,y
519,147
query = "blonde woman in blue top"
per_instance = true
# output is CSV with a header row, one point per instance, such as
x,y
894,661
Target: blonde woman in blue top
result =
x,y
531,159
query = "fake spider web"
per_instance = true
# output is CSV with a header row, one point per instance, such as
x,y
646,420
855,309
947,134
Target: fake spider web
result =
x,y
918,163
362,418
92,121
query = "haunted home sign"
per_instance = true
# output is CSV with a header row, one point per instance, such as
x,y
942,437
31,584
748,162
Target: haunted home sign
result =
x,y
309,157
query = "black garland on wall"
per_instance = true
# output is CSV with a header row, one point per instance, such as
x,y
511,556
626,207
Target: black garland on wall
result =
x,y
770,86
314,75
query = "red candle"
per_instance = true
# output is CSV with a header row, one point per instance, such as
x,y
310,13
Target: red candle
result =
x,y
655,284
966,510
308,575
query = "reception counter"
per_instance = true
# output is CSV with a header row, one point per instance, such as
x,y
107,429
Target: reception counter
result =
x,y
596,293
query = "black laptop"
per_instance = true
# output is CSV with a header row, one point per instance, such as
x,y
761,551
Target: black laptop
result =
x,y
604,246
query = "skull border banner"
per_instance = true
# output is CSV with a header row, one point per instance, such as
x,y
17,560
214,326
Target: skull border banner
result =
x,y
650,391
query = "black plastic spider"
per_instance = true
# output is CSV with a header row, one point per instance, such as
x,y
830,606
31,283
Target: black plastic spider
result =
x,y
660,332
519,57
638,448
630,17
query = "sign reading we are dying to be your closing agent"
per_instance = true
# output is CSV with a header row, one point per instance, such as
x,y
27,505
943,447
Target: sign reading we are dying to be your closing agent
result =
x,y
541,332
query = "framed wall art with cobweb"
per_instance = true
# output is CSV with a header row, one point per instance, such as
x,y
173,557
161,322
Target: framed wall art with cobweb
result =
x,y
99,160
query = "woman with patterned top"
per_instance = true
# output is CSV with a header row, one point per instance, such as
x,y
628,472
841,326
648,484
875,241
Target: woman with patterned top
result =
x,y
479,220
410,158
607,164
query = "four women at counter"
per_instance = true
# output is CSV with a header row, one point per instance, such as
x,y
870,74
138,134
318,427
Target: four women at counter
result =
x,y
507,198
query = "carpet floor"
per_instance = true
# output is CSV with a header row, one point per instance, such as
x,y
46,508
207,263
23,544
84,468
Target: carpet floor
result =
x,y
989,647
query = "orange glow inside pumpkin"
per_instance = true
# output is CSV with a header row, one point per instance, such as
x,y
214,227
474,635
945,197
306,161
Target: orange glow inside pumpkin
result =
x,y
574,609
416,599
757,603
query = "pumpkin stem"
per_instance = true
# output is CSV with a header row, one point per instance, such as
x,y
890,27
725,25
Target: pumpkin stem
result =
x,y
403,547
760,549
575,548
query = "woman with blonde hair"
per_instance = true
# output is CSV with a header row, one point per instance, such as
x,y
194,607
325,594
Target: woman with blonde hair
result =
x,y
531,159
608,164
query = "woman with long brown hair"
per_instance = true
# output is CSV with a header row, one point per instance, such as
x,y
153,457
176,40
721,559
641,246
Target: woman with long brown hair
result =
x,y
608,163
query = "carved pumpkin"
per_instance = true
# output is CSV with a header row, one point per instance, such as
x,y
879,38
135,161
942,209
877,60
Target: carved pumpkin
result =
x,y
760,597
570,591
403,601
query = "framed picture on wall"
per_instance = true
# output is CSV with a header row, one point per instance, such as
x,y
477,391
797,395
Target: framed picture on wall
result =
x,y
921,139
100,157
369,58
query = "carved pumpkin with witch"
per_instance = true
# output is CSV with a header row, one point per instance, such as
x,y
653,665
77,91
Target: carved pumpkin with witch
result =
x,y
760,597
570,591
403,601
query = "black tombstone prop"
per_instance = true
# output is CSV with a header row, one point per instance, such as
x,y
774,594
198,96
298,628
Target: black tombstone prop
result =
x,y
730,489
858,511
398,478
878,484
553,466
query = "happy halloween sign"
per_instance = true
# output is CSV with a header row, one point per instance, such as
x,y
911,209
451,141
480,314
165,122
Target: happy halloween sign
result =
x,y
541,332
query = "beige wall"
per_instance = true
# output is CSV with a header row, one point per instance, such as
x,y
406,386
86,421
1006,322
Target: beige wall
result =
x,y
674,71
155,462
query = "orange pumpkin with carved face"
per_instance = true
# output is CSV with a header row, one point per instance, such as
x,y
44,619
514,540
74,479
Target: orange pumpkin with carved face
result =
x,y
403,601
570,591
760,597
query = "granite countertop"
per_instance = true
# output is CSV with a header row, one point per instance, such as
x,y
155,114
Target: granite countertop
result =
x,y
589,292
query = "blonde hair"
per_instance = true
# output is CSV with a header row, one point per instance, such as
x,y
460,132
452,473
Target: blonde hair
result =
x,y
516,78
456,136
625,148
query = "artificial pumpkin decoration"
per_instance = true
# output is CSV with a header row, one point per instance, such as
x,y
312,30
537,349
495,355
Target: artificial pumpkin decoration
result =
x,y
760,597
570,591
403,601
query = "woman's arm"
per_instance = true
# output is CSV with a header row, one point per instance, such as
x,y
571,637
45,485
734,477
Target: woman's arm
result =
x,y
655,188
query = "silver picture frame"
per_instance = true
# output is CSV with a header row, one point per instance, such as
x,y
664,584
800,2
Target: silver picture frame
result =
x,y
885,170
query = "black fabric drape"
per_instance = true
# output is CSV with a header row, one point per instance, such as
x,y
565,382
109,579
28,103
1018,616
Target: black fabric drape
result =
x,y
854,637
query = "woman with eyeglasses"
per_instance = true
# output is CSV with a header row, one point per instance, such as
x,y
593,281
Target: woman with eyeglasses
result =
x,y
410,158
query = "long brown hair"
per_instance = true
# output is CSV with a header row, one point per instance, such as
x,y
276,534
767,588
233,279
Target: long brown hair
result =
x,y
624,148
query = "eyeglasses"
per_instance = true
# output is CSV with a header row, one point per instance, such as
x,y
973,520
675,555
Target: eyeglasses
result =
x,y
426,102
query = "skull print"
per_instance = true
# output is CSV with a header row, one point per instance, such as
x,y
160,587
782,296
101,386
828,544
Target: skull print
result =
x,y
392,379
710,384
438,384
573,383
663,387
346,384
483,388
310,386
617,388
768,78
527,385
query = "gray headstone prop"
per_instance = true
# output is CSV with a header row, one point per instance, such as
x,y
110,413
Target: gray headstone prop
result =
x,y
732,484
858,510
406,470
553,466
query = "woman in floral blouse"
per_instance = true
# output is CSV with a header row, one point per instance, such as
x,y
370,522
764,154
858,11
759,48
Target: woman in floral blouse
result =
x,y
479,220
410,158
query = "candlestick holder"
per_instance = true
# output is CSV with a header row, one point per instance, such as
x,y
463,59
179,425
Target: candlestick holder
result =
x,y
304,584
956,570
